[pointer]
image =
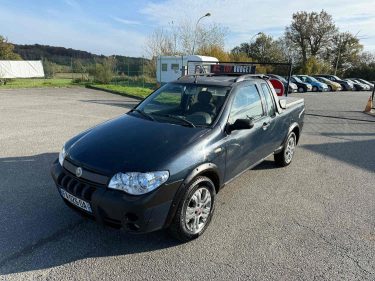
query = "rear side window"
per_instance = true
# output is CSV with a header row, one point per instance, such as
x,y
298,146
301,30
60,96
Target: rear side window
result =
x,y
247,104
269,100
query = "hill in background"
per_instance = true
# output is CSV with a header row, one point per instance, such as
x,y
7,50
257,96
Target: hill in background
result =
x,y
66,57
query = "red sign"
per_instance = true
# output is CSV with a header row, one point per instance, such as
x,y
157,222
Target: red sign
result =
x,y
233,69
278,86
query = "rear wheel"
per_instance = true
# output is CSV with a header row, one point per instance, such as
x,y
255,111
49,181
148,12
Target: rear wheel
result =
x,y
194,211
285,157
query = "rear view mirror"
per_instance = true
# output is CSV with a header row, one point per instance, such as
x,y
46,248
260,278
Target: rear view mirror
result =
x,y
240,124
282,103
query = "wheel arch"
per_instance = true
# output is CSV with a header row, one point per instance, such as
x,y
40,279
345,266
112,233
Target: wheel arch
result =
x,y
209,170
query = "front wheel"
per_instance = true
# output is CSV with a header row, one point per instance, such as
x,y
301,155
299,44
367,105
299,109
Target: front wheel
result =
x,y
301,90
315,89
330,88
285,157
194,211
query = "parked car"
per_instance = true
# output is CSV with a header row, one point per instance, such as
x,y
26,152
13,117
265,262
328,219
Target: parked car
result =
x,y
364,85
344,84
367,83
356,85
332,86
161,164
316,85
292,86
302,86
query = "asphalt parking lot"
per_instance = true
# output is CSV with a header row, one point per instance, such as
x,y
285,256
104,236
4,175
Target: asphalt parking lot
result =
x,y
314,220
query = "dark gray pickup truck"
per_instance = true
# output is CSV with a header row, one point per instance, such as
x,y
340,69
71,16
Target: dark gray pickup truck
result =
x,y
161,164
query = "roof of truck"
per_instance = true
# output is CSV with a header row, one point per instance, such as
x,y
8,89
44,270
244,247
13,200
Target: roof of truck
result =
x,y
219,80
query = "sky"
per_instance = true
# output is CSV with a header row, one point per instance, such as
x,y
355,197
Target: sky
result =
x,y
121,27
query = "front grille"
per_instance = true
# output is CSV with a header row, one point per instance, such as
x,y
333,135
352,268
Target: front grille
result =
x,y
78,188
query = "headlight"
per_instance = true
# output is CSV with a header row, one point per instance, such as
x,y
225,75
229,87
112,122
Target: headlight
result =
x,y
62,155
138,183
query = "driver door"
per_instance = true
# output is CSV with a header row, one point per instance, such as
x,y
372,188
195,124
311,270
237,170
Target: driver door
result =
x,y
245,147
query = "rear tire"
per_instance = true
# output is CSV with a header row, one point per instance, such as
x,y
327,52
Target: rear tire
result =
x,y
194,211
285,157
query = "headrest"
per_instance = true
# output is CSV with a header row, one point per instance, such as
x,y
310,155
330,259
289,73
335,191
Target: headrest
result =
x,y
204,97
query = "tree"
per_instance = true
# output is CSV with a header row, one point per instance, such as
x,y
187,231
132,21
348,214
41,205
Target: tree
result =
x,y
346,51
180,39
266,49
7,50
315,66
159,43
103,72
49,68
311,33
214,51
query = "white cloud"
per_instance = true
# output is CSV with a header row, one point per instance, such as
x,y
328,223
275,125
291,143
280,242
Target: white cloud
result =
x,y
245,18
125,21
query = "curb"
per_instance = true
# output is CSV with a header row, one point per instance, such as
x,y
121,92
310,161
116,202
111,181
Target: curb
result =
x,y
113,92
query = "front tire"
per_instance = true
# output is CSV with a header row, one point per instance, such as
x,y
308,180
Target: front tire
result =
x,y
285,157
315,89
194,211
301,90
330,88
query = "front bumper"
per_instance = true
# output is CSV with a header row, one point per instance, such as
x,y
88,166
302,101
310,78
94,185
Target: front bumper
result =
x,y
115,208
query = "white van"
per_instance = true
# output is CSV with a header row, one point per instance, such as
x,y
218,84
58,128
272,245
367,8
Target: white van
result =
x,y
169,68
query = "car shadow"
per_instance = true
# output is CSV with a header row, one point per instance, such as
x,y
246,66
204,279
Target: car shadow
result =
x,y
266,165
350,151
39,231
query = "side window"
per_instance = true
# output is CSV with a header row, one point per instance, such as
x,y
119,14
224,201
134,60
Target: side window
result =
x,y
175,66
246,104
269,100
164,67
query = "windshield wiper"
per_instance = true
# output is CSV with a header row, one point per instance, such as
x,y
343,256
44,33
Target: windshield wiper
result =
x,y
187,122
148,116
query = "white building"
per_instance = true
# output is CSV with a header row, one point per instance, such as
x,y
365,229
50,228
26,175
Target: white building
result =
x,y
169,68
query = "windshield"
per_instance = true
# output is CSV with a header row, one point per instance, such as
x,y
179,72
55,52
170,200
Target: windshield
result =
x,y
185,104
282,79
297,79
312,79
335,77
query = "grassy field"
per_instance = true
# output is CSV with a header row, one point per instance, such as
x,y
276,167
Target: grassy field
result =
x,y
36,83
134,91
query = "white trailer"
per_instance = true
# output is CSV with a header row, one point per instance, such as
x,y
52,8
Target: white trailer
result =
x,y
169,68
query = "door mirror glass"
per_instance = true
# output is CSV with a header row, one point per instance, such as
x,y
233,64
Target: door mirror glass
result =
x,y
282,103
241,124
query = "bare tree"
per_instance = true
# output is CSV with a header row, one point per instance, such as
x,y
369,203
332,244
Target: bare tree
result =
x,y
180,39
159,43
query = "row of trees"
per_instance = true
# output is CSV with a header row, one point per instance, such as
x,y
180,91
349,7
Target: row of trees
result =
x,y
312,42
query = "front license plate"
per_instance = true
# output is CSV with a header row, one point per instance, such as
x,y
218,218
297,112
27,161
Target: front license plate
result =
x,y
76,201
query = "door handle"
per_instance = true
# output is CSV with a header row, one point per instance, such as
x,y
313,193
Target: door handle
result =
x,y
265,125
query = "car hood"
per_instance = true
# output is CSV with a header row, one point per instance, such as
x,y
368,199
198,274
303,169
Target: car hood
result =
x,y
129,143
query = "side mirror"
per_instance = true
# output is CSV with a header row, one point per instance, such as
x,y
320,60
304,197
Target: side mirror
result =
x,y
282,103
240,124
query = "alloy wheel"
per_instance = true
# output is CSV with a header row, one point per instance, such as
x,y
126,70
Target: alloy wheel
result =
x,y
198,210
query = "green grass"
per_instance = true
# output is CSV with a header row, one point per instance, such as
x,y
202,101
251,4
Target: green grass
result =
x,y
36,83
138,92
